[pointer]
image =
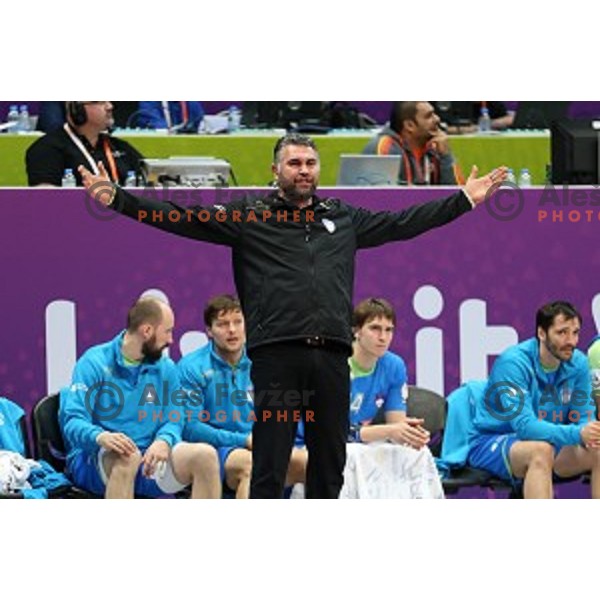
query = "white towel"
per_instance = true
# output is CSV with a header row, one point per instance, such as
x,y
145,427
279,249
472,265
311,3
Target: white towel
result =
x,y
14,472
383,470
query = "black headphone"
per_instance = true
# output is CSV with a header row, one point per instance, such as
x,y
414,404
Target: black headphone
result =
x,y
77,114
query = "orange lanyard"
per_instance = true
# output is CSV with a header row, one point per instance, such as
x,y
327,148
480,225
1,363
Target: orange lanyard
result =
x,y
184,112
430,176
110,159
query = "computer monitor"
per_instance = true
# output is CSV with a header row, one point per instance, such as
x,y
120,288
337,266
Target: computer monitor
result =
x,y
307,116
539,115
263,114
574,151
457,113
193,171
368,170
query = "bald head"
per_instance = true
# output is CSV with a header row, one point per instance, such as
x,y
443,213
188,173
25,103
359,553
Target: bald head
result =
x,y
147,311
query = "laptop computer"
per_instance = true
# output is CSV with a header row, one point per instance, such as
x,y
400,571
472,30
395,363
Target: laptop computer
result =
x,y
368,170
539,115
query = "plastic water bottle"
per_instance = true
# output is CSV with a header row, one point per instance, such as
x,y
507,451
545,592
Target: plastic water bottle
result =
x,y
24,124
131,180
68,180
510,177
485,123
525,178
234,119
13,119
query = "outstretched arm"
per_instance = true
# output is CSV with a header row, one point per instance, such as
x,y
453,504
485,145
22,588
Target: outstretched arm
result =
x,y
374,229
216,224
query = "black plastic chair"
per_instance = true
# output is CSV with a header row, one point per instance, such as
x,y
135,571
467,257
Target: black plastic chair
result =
x,y
47,437
433,408
48,443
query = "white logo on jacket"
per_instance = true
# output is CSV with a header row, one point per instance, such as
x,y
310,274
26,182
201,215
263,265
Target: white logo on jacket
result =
x,y
329,225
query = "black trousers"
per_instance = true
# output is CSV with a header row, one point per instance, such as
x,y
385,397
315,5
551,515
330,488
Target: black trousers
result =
x,y
293,380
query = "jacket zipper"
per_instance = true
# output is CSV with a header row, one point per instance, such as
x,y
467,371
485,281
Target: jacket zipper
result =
x,y
312,269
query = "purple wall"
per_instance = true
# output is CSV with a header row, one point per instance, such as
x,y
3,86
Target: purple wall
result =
x,y
54,250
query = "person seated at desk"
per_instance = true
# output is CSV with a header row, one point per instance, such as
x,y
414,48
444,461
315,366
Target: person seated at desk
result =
x,y
220,373
463,117
414,134
184,116
82,140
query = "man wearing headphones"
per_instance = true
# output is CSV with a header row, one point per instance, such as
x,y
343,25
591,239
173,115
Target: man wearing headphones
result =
x,y
84,139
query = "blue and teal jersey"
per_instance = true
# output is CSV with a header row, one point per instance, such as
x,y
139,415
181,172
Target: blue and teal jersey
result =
x,y
226,413
144,401
384,387
536,404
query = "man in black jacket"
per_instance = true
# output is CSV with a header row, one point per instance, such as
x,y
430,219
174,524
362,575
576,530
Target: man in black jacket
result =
x,y
293,260
83,139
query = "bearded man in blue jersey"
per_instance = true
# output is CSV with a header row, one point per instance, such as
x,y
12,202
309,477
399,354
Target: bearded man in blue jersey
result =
x,y
122,417
537,415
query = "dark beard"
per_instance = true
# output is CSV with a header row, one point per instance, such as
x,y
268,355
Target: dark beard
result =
x,y
554,350
291,194
152,353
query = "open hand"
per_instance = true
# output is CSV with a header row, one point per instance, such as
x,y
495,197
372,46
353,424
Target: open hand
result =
x,y
479,188
100,187
156,457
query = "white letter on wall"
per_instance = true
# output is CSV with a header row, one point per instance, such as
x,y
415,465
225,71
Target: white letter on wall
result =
x,y
428,303
61,344
478,340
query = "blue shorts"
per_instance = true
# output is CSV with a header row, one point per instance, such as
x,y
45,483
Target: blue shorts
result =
x,y
87,472
223,452
491,452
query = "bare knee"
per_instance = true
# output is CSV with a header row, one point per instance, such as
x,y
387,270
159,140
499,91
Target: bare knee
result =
x,y
541,456
122,464
204,459
242,466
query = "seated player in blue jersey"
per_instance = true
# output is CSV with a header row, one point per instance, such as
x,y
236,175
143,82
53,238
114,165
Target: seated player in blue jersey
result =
x,y
122,417
379,380
219,374
537,415
403,467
